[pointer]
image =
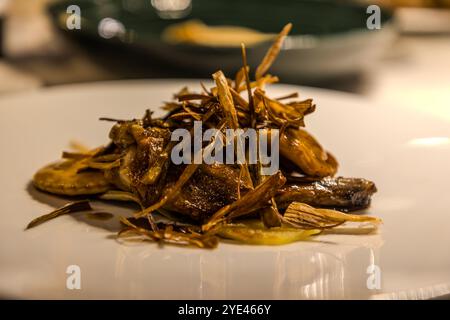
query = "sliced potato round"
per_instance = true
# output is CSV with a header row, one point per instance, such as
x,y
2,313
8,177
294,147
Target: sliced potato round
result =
x,y
254,232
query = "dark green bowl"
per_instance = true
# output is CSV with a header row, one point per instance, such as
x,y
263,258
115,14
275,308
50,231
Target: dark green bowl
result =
x,y
327,40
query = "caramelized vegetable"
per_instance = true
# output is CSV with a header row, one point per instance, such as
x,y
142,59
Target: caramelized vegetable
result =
x,y
302,149
70,177
304,216
256,233
338,193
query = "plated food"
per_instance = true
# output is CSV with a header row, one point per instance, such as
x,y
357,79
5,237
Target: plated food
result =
x,y
197,204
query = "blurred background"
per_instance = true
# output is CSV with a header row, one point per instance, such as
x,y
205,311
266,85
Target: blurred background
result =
x,y
400,54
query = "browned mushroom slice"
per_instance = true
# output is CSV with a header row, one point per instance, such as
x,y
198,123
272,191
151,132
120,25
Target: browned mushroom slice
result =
x,y
305,151
340,193
67,177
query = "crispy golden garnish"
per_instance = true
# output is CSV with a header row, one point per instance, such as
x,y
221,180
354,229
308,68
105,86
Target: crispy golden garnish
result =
x,y
273,52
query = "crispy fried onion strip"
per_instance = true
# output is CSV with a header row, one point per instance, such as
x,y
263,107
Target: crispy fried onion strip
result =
x,y
272,54
183,236
303,216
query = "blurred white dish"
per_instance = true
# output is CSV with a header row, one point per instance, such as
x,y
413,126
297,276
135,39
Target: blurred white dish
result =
x,y
387,145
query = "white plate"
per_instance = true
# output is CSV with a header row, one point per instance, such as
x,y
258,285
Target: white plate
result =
x,y
406,154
